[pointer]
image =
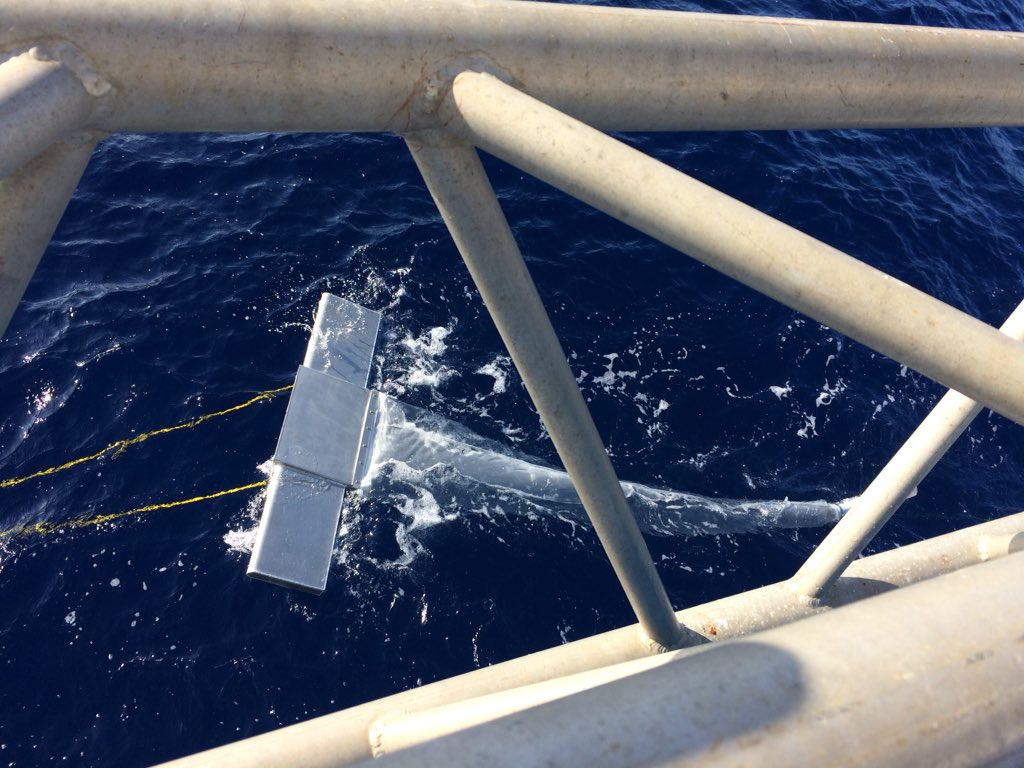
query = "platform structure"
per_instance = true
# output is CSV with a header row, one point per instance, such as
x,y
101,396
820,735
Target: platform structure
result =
x,y
782,673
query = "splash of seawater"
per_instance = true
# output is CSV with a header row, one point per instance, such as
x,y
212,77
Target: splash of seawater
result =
x,y
471,472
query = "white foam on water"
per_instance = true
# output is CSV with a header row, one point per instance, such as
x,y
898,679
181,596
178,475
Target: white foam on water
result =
x,y
829,392
425,369
612,379
498,370
438,457
420,512
241,538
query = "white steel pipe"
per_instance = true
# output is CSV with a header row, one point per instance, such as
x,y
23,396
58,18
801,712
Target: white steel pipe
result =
x,y
41,101
928,675
464,196
894,484
990,547
885,314
400,730
32,201
343,737
367,65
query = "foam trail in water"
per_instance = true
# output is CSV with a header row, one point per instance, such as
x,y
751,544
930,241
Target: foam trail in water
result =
x,y
422,447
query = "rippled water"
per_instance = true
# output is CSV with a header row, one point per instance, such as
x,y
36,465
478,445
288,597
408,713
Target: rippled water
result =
x,y
183,280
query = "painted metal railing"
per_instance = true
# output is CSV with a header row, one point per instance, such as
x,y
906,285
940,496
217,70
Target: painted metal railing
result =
x,y
535,84
893,485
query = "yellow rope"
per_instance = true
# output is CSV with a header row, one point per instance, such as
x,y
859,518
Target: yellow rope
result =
x,y
42,529
120,445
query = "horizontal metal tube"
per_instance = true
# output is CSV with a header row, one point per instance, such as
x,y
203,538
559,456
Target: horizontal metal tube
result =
x,y
464,196
41,101
894,484
927,675
364,65
32,201
342,737
885,314
400,730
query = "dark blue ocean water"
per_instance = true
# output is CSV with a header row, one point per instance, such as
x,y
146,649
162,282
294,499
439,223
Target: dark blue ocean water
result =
x,y
183,279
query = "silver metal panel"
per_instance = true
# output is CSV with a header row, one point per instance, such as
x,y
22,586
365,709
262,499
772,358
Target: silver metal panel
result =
x,y
344,336
369,437
324,446
297,531
323,427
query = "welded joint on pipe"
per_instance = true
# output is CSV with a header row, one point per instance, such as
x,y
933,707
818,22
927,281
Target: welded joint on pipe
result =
x,y
776,602
66,54
687,638
84,139
376,733
79,139
653,647
991,547
430,105
808,600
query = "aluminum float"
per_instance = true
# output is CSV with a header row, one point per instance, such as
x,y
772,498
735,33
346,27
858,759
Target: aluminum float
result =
x,y
324,448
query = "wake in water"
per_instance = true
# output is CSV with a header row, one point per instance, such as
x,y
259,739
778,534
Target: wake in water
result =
x,y
446,460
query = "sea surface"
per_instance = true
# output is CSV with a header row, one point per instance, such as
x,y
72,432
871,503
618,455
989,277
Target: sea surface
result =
x,y
182,281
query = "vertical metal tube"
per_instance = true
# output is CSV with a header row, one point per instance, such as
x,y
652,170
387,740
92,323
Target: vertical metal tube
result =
x,y
897,480
41,101
464,196
31,204
885,314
